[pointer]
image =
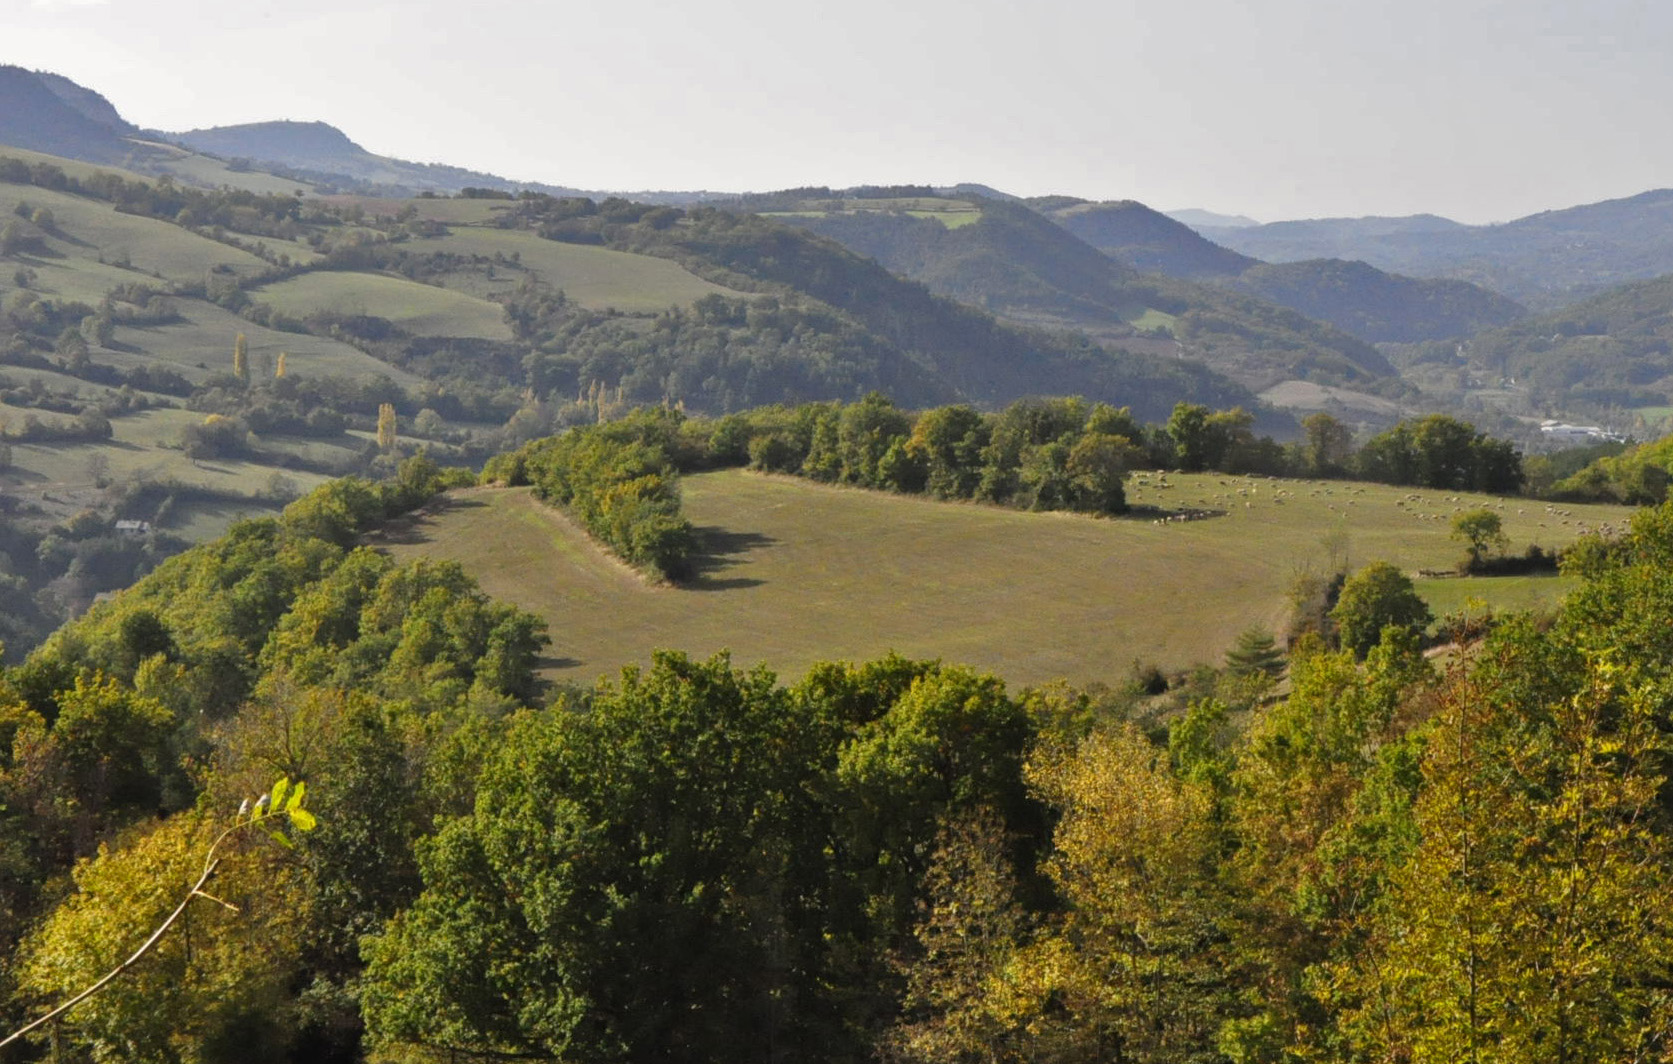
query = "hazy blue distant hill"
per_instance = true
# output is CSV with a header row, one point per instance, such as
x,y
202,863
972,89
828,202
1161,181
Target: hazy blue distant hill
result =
x,y
1149,240
1359,299
314,145
1328,238
1374,305
325,154
90,104
1545,260
969,188
35,114
1197,218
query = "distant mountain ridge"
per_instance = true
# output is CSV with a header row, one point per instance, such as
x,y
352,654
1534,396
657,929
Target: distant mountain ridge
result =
x,y
325,154
1357,298
47,113
89,103
1544,260
1197,218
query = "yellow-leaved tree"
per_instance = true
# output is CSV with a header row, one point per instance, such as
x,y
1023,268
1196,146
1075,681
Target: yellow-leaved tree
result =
x,y
181,942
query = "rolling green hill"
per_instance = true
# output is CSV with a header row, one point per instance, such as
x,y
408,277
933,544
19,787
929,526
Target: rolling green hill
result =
x,y
426,310
834,325
1016,263
797,572
89,247
594,277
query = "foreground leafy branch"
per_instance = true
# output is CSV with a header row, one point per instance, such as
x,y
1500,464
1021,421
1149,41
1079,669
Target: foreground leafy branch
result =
x,y
282,805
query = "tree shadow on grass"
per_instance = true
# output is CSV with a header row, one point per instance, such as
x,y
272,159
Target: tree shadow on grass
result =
x,y
414,528
1168,514
719,549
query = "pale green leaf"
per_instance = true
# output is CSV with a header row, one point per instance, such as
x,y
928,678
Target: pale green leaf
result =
x,y
302,820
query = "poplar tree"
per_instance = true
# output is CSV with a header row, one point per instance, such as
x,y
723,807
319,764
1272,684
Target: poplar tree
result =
x,y
386,427
241,358
279,369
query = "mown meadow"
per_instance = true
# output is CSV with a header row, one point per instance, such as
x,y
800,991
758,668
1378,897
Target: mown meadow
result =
x,y
794,572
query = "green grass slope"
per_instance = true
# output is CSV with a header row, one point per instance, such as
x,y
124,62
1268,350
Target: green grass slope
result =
x,y
797,572
107,248
201,345
426,310
63,478
594,277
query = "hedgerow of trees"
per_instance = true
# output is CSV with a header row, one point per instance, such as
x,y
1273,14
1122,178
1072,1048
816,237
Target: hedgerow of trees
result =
x,y
620,478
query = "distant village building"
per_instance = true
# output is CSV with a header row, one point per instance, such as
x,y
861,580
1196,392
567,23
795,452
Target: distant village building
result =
x,y
134,528
1562,432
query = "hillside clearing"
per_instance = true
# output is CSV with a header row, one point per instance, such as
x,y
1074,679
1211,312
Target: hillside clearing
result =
x,y
418,308
798,572
596,278
201,345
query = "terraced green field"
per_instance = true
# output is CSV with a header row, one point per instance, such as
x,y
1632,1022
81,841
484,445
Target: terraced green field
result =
x,y
797,572
419,308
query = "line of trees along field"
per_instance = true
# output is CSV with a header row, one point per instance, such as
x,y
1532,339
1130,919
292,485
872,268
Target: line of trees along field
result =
x,y
621,478
898,860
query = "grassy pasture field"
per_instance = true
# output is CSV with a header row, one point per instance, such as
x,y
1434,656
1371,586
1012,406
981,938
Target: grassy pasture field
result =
x,y
62,478
594,277
204,171
73,167
202,345
797,572
419,308
84,230
951,219
188,167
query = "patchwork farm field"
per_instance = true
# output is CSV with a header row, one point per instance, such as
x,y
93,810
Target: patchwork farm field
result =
x,y
797,572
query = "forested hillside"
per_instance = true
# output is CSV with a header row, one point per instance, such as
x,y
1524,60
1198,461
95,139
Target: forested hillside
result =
x,y
1613,350
1010,259
895,858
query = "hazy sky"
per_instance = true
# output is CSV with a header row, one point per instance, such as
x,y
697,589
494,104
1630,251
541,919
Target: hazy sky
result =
x,y
1482,111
